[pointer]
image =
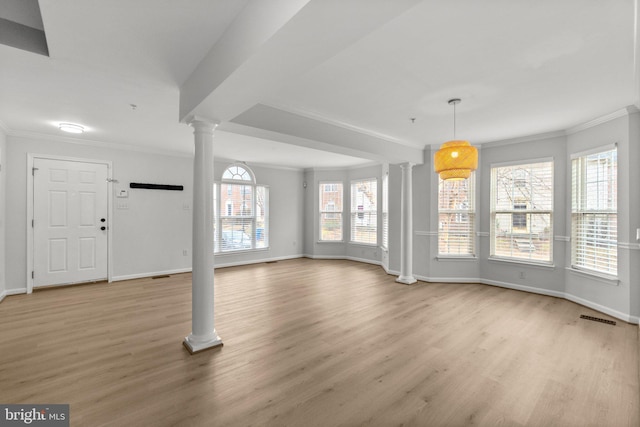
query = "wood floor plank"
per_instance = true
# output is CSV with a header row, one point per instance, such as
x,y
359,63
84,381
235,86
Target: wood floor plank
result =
x,y
318,342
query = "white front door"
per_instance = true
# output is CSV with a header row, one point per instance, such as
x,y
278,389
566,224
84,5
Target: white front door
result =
x,y
70,222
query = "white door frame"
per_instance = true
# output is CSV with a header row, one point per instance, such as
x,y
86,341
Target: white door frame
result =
x,y
30,205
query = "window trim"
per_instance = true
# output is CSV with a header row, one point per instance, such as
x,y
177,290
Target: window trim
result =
x,y
384,239
579,269
221,210
493,212
473,217
321,191
368,211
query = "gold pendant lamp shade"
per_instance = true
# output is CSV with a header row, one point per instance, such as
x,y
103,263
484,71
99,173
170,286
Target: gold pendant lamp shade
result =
x,y
456,159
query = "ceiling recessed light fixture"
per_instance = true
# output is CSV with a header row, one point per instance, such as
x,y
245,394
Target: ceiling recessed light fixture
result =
x,y
456,159
71,128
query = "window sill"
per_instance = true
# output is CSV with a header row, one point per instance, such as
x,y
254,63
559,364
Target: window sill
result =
x,y
601,277
456,258
242,251
523,262
369,245
330,241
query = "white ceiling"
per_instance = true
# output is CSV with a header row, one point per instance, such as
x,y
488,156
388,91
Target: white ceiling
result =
x,y
319,83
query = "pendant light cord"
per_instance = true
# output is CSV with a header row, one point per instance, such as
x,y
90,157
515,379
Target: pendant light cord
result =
x,y
454,120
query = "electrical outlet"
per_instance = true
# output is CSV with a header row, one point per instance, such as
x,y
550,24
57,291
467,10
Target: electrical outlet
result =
x,y
523,275
185,252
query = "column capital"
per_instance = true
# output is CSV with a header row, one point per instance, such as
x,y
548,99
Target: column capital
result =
x,y
407,165
201,122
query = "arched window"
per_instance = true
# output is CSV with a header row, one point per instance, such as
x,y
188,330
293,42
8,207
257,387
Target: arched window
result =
x,y
241,221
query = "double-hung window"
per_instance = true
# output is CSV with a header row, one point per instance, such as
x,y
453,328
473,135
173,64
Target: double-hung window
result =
x,y
594,212
522,212
385,211
364,211
456,217
330,205
240,212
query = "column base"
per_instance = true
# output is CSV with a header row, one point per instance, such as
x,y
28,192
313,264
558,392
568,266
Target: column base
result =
x,y
406,280
197,345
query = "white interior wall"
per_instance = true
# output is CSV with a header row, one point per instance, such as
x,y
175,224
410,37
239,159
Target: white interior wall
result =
x,y
611,297
343,249
356,251
140,249
286,215
634,211
314,248
395,217
3,192
150,228
547,279
621,300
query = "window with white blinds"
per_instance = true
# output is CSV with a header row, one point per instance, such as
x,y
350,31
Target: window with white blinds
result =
x,y
330,205
594,212
364,211
241,207
456,216
522,212
385,211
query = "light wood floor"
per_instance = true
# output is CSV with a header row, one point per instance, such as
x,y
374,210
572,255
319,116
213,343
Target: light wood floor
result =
x,y
318,343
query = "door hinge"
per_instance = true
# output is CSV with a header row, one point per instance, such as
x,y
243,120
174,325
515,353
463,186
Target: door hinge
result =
x,y
33,275
33,222
33,171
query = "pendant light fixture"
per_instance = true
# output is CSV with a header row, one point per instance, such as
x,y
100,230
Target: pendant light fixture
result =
x,y
457,158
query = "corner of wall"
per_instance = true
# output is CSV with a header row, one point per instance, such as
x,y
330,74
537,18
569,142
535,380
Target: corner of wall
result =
x,y
3,174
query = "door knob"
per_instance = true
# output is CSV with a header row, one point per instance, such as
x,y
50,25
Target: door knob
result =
x,y
103,228
102,220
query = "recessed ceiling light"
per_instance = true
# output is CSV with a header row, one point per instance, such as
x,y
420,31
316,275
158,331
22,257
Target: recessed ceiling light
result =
x,y
71,128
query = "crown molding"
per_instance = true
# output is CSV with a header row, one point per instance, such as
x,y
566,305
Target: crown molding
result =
x,y
527,138
256,164
598,121
342,168
98,144
323,119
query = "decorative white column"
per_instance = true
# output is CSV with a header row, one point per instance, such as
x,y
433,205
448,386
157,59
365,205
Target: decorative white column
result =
x,y
406,227
203,333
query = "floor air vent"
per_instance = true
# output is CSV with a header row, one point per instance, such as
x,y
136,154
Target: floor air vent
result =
x,y
597,319
164,276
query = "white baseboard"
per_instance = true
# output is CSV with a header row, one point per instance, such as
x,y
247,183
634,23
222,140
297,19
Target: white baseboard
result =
x,y
606,310
344,257
590,304
3,294
151,274
530,289
258,261
366,261
16,291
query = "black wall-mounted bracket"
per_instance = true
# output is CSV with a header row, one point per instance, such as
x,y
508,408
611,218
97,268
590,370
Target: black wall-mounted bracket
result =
x,y
156,186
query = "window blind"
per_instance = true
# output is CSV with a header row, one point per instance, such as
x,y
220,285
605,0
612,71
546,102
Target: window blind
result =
x,y
522,212
385,211
330,206
364,211
456,216
594,215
